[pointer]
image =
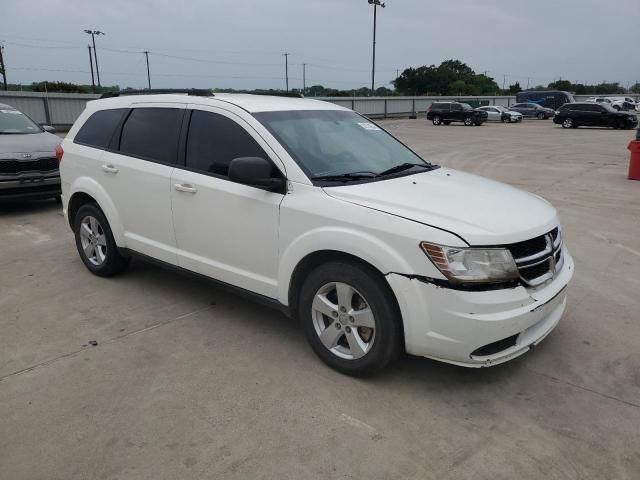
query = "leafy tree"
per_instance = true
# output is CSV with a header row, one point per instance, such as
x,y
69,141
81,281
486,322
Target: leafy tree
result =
x,y
515,88
635,88
564,85
450,77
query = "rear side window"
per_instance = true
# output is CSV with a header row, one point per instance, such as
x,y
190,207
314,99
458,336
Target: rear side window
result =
x,y
440,106
98,129
214,140
152,134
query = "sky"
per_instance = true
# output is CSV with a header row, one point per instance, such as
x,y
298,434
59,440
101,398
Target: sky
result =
x,y
239,43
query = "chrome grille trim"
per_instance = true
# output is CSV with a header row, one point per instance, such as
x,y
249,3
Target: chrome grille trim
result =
x,y
551,255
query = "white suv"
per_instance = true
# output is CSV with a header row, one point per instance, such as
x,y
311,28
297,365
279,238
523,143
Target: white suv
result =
x,y
318,211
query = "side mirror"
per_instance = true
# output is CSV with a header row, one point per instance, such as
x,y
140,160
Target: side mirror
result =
x,y
48,128
254,171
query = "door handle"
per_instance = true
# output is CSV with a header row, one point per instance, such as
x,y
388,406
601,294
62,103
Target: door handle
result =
x,y
109,169
185,187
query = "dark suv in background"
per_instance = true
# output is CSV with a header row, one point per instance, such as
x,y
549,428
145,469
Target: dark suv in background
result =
x,y
446,112
589,114
28,157
533,110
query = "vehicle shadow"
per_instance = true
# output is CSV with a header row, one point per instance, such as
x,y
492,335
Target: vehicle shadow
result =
x,y
29,206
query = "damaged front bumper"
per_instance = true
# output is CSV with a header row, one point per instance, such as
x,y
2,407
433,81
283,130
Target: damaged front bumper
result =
x,y
478,328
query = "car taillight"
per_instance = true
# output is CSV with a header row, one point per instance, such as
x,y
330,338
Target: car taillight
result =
x,y
59,153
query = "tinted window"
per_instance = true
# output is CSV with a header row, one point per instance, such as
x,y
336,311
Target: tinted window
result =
x,y
456,107
440,106
99,128
215,140
152,133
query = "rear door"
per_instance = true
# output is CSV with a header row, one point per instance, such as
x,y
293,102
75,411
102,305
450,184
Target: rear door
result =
x,y
136,171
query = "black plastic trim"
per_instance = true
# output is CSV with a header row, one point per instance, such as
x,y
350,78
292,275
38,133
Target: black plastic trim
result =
x,y
258,298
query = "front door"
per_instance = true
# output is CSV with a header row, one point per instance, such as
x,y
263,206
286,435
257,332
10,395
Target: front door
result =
x,y
225,230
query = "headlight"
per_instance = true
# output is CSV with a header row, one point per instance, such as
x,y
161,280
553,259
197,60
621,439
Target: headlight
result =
x,y
464,265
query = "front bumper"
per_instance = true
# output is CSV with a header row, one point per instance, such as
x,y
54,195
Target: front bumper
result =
x,y
30,187
450,325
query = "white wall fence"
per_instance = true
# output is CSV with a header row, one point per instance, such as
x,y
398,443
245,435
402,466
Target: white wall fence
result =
x,y
61,109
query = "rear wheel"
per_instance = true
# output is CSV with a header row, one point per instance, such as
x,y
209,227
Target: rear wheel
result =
x,y
95,242
350,318
567,123
468,121
437,120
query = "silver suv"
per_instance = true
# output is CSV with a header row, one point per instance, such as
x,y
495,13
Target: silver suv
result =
x,y
28,157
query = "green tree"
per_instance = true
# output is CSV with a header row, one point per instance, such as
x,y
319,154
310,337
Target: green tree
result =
x,y
635,88
564,85
515,88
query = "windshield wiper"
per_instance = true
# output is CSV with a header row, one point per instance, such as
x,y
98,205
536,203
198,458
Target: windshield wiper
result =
x,y
345,177
404,166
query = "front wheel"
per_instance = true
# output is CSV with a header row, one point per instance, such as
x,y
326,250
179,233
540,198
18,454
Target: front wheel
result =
x,y
567,123
95,242
541,116
350,318
437,120
468,121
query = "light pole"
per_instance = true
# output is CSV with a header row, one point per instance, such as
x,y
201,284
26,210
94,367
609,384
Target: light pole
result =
x,y
93,34
376,4
286,69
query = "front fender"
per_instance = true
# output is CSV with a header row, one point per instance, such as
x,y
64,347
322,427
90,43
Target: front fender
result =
x,y
339,239
94,189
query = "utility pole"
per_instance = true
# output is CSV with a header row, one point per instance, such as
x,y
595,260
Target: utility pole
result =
x,y
528,78
93,34
304,79
286,69
146,54
2,68
375,4
504,79
93,82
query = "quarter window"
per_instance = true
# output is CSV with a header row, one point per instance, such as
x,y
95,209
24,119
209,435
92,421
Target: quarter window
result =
x,y
152,133
98,129
214,140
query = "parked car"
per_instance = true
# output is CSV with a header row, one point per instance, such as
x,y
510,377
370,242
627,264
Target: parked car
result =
x,y
314,209
552,99
498,113
618,103
443,113
590,114
533,110
28,163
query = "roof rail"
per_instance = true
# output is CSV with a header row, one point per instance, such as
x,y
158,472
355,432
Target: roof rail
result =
x,y
270,94
155,91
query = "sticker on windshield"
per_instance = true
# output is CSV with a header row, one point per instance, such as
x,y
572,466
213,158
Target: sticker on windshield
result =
x,y
369,126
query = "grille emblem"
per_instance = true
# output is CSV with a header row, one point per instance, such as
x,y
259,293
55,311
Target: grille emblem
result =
x,y
27,155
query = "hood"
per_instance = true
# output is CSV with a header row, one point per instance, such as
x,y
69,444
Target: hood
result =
x,y
29,143
481,211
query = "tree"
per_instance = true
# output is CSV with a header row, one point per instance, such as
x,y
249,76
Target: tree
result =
x,y
451,77
635,88
564,85
515,88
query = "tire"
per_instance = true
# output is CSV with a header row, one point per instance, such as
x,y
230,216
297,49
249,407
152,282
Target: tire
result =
x,y
568,123
541,116
468,121
327,322
95,243
436,120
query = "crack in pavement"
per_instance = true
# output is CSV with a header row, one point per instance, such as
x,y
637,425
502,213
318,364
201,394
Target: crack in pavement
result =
x,y
109,340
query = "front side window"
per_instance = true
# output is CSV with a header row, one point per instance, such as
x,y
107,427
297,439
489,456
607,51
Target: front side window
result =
x,y
98,129
152,134
16,123
333,143
456,107
214,140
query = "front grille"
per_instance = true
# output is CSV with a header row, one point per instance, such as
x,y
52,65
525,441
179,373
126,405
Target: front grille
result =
x,y
21,166
538,259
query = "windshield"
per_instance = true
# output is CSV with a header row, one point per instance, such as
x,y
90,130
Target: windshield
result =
x,y
336,143
608,107
13,121
466,107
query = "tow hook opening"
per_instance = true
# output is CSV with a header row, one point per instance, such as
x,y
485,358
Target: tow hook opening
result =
x,y
495,347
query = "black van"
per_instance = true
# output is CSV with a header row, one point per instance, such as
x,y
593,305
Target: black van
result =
x,y
547,98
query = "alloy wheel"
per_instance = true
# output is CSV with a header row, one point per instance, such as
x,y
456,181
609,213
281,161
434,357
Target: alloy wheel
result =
x,y
93,240
343,320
